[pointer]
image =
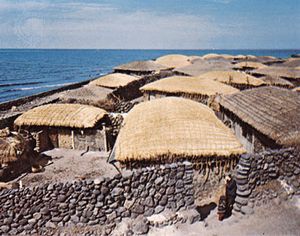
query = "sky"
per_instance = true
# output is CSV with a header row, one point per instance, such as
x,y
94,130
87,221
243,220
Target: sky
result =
x,y
146,24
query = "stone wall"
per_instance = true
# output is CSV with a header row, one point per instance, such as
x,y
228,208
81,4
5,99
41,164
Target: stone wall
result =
x,y
261,177
104,201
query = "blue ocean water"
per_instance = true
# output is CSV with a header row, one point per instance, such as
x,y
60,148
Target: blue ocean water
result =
x,y
25,72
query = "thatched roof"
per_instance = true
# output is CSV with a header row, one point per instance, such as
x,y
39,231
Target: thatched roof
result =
x,y
189,85
272,111
201,66
291,62
114,80
88,94
62,115
174,60
285,72
233,77
217,56
170,128
141,66
277,81
249,64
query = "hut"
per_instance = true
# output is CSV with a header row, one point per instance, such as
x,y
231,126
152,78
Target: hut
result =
x,y
291,74
277,81
174,60
88,95
189,87
201,66
70,126
215,56
236,79
291,62
114,80
172,129
140,68
248,65
266,117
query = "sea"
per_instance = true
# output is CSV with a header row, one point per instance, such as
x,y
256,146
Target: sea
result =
x,y
24,72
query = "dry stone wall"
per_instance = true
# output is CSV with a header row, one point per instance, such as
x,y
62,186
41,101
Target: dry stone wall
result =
x,y
256,175
104,201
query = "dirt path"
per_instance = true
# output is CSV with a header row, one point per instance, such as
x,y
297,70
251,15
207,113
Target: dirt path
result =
x,y
271,219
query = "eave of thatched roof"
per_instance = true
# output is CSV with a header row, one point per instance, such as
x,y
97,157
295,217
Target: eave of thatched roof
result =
x,y
114,80
233,77
272,111
173,127
62,115
141,66
174,60
189,85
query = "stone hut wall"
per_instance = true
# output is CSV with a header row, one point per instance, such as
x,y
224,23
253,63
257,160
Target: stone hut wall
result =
x,y
263,176
104,201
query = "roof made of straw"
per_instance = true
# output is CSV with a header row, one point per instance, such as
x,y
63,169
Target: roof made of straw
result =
x,y
62,115
249,64
173,127
270,110
217,56
141,66
86,94
276,81
189,85
174,60
114,80
233,77
281,71
201,66
297,89
292,62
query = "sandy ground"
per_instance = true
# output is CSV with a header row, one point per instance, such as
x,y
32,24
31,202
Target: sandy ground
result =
x,y
271,219
69,165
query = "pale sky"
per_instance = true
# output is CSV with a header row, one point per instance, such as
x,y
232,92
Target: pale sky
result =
x,y
157,24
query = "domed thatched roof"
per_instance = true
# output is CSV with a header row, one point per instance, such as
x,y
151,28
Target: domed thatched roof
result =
x,y
174,60
281,71
62,115
213,56
141,66
169,128
249,64
292,62
233,77
189,85
114,80
277,81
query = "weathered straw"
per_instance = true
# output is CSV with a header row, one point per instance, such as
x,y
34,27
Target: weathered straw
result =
x,y
270,110
217,56
277,81
173,127
174,60
114,80
189,85
285,72
62,115
249,64
233,77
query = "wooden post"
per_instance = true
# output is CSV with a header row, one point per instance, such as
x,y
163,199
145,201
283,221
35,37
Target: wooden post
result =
x,y
105,138
72,139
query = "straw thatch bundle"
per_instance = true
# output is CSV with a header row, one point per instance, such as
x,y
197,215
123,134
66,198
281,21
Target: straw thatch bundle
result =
x,y
277,81
272,111
169,128
285,72
249,65
62,115
141,66
14,146
90,95
201,66
174,60
189,85
114,80
233,77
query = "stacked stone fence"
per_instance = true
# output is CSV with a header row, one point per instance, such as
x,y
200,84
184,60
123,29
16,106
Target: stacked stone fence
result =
x,y
103,201
256,174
